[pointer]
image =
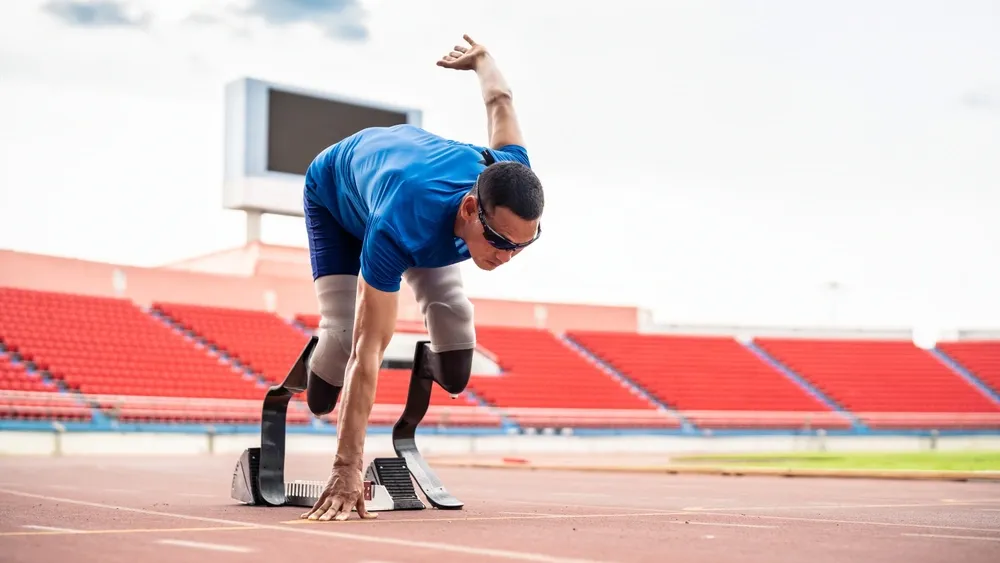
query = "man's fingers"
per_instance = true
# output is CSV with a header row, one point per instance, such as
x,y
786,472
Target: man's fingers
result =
x,y
363,512
447,61
344,510
316,513
469,39
332,511
318,508
460,49
455,54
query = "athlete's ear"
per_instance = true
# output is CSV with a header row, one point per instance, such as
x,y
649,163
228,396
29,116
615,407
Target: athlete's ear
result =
x,y
469,208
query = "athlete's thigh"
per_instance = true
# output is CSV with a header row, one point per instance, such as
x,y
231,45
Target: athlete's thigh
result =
x,y
332,249
446,308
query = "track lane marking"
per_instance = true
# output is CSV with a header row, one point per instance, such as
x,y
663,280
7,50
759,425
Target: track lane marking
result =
x,y
512,516
952,537
205,545
725,508
368,538
688,522
573,505
724,524
50,531
837,521
841,505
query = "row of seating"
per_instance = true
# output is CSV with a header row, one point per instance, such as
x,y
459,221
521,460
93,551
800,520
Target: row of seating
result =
x,y
25,396
105,346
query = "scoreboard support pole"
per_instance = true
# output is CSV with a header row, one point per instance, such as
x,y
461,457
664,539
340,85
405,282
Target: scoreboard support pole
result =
x,y
254,219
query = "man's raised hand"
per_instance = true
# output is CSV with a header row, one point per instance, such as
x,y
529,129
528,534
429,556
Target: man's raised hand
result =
x,y
464,58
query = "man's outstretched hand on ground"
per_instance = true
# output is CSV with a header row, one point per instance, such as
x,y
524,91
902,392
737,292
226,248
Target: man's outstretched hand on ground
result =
x,y
344,491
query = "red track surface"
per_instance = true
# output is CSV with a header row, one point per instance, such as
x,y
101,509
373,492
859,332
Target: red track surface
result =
x,y
111,509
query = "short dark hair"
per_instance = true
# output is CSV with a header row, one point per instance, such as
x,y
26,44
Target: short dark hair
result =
x,y
511,185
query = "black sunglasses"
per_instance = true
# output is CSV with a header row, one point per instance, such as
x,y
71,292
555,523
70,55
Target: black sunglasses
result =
x,y
497,240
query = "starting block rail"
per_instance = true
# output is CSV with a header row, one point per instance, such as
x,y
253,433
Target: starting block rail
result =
x,y
259,477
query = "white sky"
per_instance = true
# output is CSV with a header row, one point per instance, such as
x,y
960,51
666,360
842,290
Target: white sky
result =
x,y
758,150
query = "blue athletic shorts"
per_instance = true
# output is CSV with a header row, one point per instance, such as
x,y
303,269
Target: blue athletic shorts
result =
x,y
332,249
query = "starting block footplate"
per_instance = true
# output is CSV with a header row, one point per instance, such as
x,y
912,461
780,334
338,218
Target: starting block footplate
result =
x,y
306,493
387,486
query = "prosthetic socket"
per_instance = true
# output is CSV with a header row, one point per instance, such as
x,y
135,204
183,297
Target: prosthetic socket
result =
x,y
448,314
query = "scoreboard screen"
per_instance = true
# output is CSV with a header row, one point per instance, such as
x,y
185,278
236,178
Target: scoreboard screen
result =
x,y
300,126
274,131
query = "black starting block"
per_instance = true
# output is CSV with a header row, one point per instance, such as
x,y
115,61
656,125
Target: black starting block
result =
x,y
259,478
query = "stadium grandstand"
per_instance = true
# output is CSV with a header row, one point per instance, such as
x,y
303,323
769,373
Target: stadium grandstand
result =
x,y
194,345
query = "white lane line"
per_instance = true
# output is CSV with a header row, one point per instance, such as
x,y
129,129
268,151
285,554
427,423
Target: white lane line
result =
x,y
951,537
51,529
727,524
574,505
841,505
640,514
209,546
711,509
691,522
856,522
376,539
546,514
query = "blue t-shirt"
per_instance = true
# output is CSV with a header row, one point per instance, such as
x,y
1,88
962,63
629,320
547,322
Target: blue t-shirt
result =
x,y
398,189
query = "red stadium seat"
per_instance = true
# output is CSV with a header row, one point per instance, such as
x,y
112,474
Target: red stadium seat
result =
x,y
714,381
113,356
542,372
105,346
888,384
981,357
25,396
270,345
260,340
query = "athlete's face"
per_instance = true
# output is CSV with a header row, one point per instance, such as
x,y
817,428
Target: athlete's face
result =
x,y
495,237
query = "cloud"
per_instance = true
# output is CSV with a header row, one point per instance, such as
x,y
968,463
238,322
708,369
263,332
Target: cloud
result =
x,y
338,19
99,13
982,98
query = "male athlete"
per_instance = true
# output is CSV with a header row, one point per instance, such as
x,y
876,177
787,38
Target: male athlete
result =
x,y
389,203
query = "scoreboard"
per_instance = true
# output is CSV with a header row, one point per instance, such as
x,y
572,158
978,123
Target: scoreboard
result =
x,y
273,132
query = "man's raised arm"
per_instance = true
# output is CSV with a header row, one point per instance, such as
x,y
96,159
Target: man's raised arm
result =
x,y
501,124
374,324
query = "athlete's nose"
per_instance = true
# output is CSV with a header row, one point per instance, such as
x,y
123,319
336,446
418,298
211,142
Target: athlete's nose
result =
x,y
504,256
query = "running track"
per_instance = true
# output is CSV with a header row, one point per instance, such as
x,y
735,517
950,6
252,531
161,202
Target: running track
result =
x,y
111,509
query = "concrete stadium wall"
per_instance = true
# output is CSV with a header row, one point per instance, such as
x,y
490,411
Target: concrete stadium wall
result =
x,y
148,443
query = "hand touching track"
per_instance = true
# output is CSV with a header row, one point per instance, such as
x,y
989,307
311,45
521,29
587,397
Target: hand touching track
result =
x,y
344,492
